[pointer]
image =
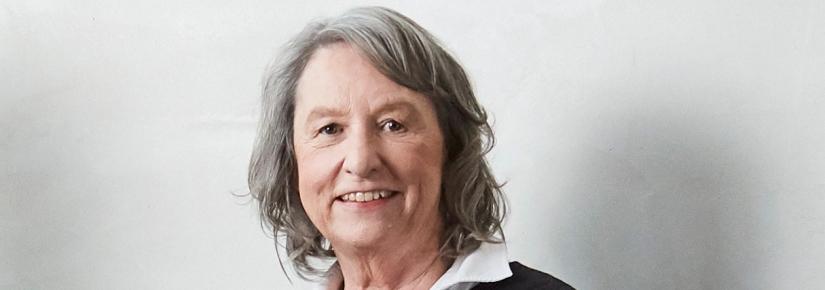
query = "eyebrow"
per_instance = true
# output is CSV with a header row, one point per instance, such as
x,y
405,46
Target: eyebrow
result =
x,y
403,106
321,112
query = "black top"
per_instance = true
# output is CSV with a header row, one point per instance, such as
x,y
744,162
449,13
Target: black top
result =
x,y
524,278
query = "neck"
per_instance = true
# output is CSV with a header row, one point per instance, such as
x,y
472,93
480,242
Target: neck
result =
x,y
403,265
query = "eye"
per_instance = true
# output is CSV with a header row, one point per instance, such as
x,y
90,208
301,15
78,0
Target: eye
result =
x,y
330,129
392,126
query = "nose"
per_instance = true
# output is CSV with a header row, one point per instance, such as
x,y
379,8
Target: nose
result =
x,y
362,159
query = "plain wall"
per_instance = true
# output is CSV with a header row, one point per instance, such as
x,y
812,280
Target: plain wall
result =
x,y
646,144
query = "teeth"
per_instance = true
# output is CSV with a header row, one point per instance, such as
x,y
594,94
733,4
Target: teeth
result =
x,y
366,196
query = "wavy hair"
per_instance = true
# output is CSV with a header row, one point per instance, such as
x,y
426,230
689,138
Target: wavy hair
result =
x,y
472,205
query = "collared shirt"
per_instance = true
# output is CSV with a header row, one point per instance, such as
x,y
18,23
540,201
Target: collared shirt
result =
x,y
488,263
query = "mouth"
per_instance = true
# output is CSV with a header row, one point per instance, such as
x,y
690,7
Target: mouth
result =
x,y
367,196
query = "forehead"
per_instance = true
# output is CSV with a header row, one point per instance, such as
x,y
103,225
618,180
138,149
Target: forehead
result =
x,y
337,74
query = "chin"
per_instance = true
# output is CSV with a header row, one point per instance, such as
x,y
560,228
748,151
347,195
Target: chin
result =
x,y
365,236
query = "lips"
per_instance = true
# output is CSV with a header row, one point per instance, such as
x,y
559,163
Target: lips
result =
x,y
365,196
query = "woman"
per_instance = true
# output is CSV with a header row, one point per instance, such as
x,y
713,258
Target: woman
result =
x,y
371,151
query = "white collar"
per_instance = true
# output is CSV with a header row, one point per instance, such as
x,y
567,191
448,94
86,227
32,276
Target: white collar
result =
x,y
488,263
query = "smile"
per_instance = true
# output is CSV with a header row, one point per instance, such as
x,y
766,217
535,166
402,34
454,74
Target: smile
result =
x,y
366,196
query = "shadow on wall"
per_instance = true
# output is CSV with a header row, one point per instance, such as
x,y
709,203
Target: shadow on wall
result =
x,y
666,196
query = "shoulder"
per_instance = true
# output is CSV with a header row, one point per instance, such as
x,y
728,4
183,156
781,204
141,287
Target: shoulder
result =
x,y
525,278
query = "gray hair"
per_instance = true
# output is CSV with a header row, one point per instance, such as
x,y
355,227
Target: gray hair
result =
x,y
472,205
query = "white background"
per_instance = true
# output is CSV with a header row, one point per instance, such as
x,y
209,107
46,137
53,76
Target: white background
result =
x,y
647,144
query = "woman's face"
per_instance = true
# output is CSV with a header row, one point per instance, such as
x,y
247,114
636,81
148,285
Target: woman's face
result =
x,y
369,153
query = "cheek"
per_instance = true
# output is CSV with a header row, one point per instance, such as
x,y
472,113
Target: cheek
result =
x,y
420,164
315,178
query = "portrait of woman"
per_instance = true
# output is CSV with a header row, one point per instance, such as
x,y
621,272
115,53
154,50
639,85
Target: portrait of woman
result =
x,y
444,145
371,152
